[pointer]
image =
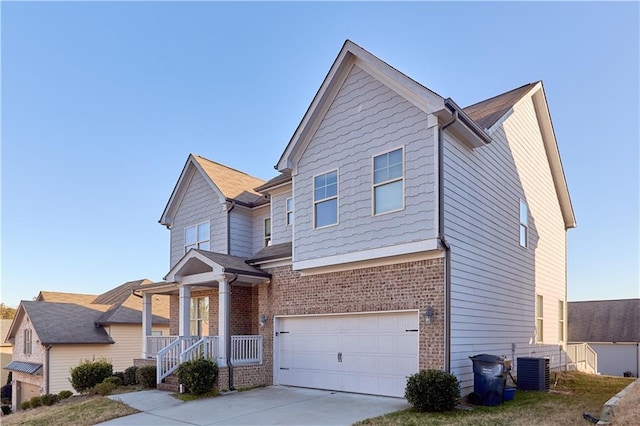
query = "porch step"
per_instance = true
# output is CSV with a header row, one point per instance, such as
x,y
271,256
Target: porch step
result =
x,y
170,384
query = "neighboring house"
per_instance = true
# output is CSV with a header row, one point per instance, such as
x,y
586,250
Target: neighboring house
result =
x,y
402,233
5,350
57,331
612,329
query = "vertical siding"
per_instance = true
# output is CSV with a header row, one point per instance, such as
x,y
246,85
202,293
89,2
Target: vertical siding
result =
x,y
366,119
199,204
280,232
259,215
241,237
493,279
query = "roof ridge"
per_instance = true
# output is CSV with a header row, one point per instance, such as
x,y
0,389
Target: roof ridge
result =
x,y
503,93
227,167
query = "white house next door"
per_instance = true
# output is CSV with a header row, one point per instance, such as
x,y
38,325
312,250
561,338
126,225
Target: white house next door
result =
x,y
366,353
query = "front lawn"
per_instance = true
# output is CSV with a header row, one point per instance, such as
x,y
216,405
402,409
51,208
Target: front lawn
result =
x,y
571,395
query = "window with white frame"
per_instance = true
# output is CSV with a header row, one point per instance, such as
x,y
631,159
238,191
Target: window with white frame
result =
x,y
199,315
325,199
524,224
289,211
267,231
539,319
388,182
197,236
26,349
560,321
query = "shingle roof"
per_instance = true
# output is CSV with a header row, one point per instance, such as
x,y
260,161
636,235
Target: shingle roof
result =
x,y
233,183
276,251
278,180
604,321
486,113
120,314
57,296
57,323
119,294
24,367
233,264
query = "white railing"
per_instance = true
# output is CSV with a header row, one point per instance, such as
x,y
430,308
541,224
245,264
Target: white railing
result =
x,y
168,358
207,347
583,356
246,350
155,343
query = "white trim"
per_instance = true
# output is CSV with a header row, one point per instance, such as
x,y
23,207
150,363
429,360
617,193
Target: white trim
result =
x,y
394,250
314,201
374,185
335,314
287,211
274,263
202,278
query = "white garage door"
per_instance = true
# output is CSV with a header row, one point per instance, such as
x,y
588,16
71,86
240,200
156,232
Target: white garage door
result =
x,y
364,353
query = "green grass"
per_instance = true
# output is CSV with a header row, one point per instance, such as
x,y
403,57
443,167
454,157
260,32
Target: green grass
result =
x,y
571,395
192,397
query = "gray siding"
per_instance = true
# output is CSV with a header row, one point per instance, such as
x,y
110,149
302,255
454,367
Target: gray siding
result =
x,y
365,119
200,203
258,217
241,237
493,279
281,233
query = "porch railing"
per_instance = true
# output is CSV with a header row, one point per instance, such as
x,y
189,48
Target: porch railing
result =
x,y
584,357
246,350
168,358
155,343
207,347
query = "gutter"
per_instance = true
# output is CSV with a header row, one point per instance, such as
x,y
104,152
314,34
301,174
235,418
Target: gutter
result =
x,y
463,117
228,337
445,245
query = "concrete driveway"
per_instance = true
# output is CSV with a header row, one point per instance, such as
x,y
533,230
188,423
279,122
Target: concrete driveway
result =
x,y
273,405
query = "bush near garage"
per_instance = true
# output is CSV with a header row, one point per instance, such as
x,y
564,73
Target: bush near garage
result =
x,y
433,390
146,376
199,376
89,373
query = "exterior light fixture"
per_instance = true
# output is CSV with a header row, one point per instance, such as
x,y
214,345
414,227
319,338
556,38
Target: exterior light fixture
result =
x,y
263,320
428,314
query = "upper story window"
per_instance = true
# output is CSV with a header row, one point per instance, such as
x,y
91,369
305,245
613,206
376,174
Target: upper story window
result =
x,y
197,236
289,211
560,321
388,182
325,199
26,349
199,316
539,319
267,231
524,224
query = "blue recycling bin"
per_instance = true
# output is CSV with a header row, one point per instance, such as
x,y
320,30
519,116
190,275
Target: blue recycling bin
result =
x,y
489,379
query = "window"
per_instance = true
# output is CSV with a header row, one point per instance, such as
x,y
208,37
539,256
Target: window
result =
x,y
539,319
156,332
199,314
325,199
267,231
560,321
524,224
27,342
388,182
289,211
197,236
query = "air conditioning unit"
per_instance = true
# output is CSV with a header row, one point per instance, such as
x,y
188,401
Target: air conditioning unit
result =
x,y
533,374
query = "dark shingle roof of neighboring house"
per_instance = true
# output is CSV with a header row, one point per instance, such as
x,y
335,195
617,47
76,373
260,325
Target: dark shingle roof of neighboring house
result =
x,y
486,113
276,251
604,321
120,314
233,264
119,294
57,323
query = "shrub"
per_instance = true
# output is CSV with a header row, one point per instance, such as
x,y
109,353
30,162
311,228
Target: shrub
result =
x,y
49,399
146,376
199,375
36,401
10,377
120,375
64,394
130,376
25,405
90,373
433,390
113,379
6,392
6,409
105,388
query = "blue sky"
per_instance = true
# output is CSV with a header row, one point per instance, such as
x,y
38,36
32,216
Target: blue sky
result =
x,y
103,102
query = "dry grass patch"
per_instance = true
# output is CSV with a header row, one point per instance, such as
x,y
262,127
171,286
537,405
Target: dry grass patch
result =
x,y
78,410
572,394
628,410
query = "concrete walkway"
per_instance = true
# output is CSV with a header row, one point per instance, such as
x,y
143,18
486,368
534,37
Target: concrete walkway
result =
x,y
273,405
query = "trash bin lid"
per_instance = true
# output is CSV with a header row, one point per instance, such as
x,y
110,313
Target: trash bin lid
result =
x,y
487,358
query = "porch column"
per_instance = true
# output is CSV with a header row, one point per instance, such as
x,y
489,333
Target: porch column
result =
x,y
146,322
184,324
223,323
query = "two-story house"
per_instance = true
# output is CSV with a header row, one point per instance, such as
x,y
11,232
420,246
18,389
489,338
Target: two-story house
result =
x,y
403,233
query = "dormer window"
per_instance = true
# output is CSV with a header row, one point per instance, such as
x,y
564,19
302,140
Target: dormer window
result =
x,y
197,236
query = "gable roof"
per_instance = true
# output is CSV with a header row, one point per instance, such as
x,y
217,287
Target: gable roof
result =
x,y
57,296
228,183
215,262
65,323
120,294
604,321
486,113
